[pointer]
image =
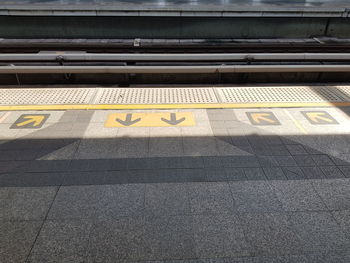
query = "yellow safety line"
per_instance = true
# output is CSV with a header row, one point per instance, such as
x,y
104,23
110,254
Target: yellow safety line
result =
x,y
296,122
169,106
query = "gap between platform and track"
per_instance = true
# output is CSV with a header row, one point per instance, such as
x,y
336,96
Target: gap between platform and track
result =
x,y
170,106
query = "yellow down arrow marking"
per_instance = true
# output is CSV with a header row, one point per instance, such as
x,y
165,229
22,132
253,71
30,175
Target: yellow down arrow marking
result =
x,y
35,119
257,117
315,116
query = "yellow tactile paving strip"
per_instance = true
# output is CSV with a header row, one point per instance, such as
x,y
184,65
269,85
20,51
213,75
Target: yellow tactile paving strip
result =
x,y
96,98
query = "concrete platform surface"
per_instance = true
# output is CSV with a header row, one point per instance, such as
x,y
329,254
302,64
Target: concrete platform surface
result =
x,y
182,185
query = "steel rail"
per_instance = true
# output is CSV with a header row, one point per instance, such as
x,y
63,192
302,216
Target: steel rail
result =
x,y
177,57
171,69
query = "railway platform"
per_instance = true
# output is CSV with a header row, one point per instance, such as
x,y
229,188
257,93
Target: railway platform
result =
x,y
84,179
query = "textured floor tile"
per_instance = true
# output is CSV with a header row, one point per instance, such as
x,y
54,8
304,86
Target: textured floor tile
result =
x,y
174,176
331,172
138,163
160,162
167,199
281,259
343,218
273,140
11,166
235,174
288,140
90,165
221,260
210,198
270,233
239,141
327,258
217,124
313,172
31,179
165,146
322,159
16,239
345,170
25,203
278,150
319,232
267,161
293,173
340,160
254,196
225,147
62,241
133,142
254,174
170,237
123,239
334,193
84,178
45,166
221,115
212,161
274,173
286,160
191,175
118,177
20,155
296,149
219,236
304,160
216,174
240,161
157,176
297,196
260,149
108,201
67,152
188,162
200,146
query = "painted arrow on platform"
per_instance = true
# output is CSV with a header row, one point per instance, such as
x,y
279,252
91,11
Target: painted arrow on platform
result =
x,y
263,118
36,120
30,121
258,117
128,120
319,116
173,120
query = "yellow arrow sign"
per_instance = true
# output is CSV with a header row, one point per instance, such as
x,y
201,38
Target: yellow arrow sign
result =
x,y
317,116
35,119
258,117
150,119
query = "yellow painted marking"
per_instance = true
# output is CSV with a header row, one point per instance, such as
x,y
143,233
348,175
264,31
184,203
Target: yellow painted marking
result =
x,y
158,119
296,123
316,116
258,117
36,120
5,116
170,106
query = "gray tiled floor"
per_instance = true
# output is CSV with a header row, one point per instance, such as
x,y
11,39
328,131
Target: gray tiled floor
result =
x,y
222,191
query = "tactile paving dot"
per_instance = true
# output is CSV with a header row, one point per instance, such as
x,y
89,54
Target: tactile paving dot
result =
x,y
45,96
277,94
343,91
155,95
